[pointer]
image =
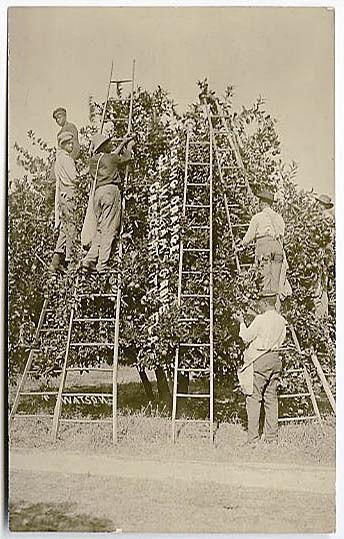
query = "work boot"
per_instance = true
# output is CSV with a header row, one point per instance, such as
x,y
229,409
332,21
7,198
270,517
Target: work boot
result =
x,y
55,264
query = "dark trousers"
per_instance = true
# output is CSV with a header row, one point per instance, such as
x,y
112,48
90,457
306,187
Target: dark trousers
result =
x,y
265,379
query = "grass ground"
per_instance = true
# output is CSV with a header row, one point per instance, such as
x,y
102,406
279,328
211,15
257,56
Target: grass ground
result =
x,y
50,497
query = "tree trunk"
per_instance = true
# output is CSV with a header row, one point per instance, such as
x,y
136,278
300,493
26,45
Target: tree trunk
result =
x,y
146,384
162,384
183,383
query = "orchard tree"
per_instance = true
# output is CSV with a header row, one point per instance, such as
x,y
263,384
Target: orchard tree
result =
x,y
152,228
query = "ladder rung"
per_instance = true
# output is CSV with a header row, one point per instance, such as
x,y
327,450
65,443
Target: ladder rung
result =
x,y
194,395
297,418
67,420
192,420
86,394
53,330
240,225
292,370
79,344
193,320
31,416
200,184
93,369
120,81
200,163
199,143
195,295
293,395
197,205
37,393
91,295
199,345
194,250
193,272
94,319
120,119
199,227
190,369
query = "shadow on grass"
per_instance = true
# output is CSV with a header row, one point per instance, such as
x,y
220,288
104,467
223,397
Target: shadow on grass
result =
x,y
50,517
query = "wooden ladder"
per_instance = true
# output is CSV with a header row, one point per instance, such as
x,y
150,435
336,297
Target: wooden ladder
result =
x,y
196,271
81,300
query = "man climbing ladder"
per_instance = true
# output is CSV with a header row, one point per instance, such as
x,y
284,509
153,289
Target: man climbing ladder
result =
x,y
105,173
267,229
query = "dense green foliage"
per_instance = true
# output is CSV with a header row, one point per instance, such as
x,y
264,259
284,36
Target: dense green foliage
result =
x,y
148,324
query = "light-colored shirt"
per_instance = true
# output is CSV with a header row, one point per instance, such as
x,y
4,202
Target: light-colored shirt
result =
x,y
65,171
68,127
266,333
265,223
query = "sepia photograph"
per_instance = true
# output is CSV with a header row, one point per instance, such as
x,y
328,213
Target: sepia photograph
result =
x,y
171,362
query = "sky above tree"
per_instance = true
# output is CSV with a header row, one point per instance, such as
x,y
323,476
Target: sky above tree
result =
x,y
60,56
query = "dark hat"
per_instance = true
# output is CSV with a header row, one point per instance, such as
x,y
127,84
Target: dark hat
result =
x,y
267,294
58,110
264,194
65,136
325,200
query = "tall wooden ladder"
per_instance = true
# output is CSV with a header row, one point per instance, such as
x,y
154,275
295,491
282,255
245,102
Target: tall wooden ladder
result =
x,y
27,392
82,318
195,350
226,147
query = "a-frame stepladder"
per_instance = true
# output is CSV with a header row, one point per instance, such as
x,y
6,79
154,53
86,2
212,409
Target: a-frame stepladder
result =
x,y
44,324
230,158
196,265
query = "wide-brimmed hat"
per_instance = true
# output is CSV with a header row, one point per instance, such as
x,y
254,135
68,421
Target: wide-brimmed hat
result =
x,y
266,195
59,110
98,140
325,200
64,137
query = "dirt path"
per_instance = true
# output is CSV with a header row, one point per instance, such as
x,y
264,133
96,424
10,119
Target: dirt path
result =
x,y
313,479
69,491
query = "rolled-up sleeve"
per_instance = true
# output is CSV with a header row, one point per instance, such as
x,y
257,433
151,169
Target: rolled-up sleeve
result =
x,y
249,333
251,232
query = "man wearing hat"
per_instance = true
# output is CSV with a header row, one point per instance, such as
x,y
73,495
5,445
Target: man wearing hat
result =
x,y
262,366
65,174
60,116
320,296
105,168
267,230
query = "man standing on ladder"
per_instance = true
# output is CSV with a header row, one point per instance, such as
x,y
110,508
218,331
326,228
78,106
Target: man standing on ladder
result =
x,y
65,174
267,230
105,171
60,116
262,366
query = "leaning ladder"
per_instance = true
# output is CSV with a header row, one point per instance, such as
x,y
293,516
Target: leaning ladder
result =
x,y
233,160
82,320
196,264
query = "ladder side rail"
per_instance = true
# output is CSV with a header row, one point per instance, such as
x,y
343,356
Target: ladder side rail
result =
x,y
225,198
234,148
119,283
30,359
211,296
180,273
313,398
58,404
106,100
323,380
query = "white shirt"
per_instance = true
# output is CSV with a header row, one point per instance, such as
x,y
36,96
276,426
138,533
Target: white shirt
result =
x,y
265,223
267,332
65,171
